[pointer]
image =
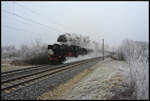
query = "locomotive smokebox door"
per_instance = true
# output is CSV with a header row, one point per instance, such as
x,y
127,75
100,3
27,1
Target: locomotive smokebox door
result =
x,y
50,46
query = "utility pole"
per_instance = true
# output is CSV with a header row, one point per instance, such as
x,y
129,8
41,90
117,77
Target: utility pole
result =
x,y
103,48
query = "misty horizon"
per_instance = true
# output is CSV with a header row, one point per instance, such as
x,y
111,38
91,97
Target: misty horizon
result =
x,y
24,22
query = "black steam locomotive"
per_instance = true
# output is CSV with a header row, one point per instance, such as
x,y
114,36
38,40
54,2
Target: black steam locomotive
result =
x,y
58,53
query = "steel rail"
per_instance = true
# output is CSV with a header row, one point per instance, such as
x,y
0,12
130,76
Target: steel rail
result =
x,y
18,70
30,74
52,72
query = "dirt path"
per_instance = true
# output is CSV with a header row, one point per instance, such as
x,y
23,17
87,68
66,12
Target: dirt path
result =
x,y
106,81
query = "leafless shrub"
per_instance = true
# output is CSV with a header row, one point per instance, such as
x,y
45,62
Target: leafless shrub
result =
x,y
9,51
34,54
39,56
118,54
136,54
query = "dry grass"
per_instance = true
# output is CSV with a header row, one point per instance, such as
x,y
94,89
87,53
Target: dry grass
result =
x,y
9,67
119,88
59,91
63,88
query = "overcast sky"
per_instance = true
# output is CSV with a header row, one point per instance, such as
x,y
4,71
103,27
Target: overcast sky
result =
x,y
23,22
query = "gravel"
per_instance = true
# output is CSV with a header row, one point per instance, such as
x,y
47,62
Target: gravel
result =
x,y
30,92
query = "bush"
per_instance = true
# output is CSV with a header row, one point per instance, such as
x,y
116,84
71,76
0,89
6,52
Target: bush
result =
x,y
41,58
35,54
120,55
136,54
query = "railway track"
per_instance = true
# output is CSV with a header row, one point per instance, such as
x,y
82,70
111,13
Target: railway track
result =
x,y
20,70
32,75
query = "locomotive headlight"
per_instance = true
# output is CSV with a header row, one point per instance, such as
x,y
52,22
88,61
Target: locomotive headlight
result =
x,y
50,51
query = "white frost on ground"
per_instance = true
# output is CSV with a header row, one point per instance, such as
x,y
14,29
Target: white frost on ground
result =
x,y
98,85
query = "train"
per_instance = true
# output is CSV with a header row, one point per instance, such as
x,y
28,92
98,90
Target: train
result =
x,y
58,53
64,48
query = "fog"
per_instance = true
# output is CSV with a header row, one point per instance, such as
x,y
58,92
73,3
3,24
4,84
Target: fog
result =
x,y
23,22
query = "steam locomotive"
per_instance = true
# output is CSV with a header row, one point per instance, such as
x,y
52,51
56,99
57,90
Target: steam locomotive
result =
x,y
58,53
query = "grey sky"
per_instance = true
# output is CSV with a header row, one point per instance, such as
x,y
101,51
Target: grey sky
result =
x,y
113,21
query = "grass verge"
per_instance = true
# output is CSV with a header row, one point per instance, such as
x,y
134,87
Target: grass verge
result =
x,y
59,91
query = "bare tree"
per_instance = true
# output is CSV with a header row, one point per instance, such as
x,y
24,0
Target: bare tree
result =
x,y
136,54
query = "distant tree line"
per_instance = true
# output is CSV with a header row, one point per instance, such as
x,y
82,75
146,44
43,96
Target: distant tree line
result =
x,y
25,54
